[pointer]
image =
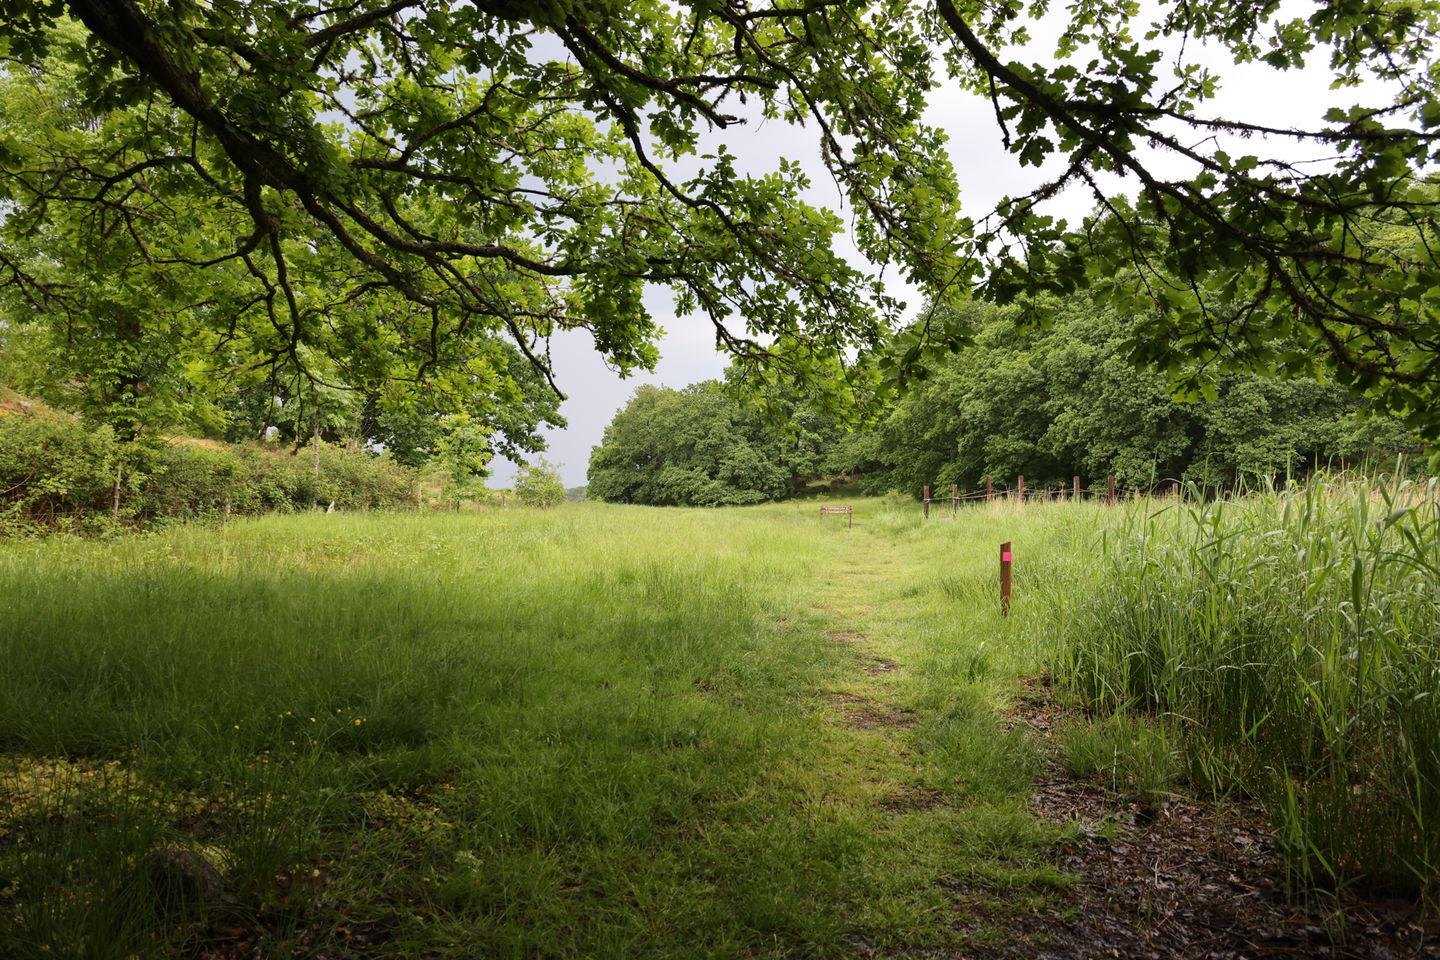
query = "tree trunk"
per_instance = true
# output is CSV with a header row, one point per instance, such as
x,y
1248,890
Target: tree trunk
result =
x,y
115,491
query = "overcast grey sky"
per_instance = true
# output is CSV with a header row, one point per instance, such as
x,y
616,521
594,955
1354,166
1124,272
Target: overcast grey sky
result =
x,y
687,349
986,174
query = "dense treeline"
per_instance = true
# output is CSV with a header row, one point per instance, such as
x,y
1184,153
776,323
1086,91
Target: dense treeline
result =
x,y
1066,399
1047,402
701,447
57,472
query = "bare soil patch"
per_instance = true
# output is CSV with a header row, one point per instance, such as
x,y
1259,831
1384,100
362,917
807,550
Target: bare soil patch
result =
x,y
875,666
1192,880
845,636
866,714
1035,707
914,798
333,936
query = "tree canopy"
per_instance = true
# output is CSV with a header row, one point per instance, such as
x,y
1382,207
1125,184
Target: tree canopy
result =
x,y
1063,400
701,447
414,192
539,485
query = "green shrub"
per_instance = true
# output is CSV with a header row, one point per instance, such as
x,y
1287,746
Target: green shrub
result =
x,y
57,473
53,471
174,480
539,485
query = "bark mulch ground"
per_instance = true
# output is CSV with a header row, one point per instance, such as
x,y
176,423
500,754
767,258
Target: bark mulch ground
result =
x,y
1191,880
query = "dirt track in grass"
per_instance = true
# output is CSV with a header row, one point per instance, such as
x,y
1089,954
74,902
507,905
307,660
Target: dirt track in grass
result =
x,y
1191,879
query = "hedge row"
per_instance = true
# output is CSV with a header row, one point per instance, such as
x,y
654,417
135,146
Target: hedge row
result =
x,y
60,473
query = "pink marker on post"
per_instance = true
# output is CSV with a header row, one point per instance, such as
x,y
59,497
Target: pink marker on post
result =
x,y
1005,560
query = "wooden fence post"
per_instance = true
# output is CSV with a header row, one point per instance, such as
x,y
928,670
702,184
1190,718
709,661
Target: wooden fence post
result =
x,y
1174,488
115,492
1005,560
989,493
954,498
1076,494
927,503
1110,489
1022,488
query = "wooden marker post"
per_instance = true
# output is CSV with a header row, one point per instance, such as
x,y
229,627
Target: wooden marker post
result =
x,y
989,493
115,492
1076,488
954,498
1110,489
1005,561
927,503
1022,488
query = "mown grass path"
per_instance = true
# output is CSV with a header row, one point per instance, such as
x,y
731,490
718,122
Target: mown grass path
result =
x,y
914,746
859,594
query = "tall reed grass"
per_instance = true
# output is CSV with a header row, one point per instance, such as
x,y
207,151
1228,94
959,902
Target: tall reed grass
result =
x,y
1292,639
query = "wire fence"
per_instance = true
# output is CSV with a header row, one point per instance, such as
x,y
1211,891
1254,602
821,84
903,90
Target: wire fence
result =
x,y
1075,491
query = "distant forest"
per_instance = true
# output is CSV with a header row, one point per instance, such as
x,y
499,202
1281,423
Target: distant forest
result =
x,y
1050,402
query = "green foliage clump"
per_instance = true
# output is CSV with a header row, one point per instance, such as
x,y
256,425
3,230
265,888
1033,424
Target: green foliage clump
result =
x,y
461,456
51,467
1066,399
105,326
60,473
539,485
699,447
1129,756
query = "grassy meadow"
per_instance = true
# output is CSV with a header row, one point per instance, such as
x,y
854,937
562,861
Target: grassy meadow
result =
x,y
606,731
593,731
